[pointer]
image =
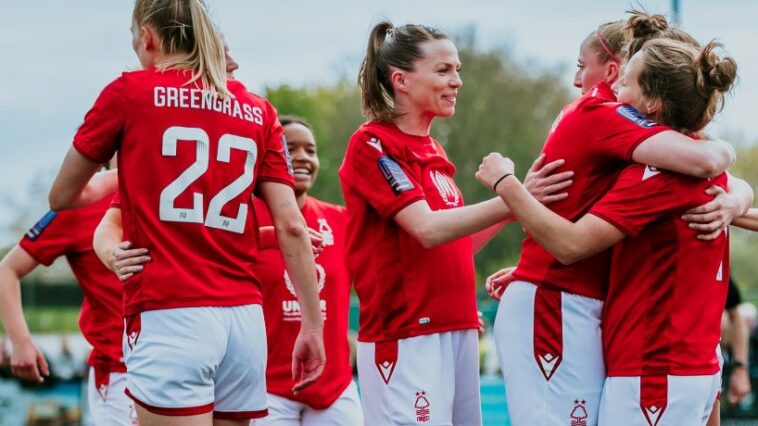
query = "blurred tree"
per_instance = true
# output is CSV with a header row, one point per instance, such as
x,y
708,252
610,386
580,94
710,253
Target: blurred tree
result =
x,y
744,244
27,213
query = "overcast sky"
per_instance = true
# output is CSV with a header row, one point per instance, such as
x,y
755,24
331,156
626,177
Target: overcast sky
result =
x,y
58,55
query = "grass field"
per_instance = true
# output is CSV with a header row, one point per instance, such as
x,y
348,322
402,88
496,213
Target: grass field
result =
x,y
48,320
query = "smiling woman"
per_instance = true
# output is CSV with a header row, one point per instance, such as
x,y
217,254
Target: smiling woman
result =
x,y
410,239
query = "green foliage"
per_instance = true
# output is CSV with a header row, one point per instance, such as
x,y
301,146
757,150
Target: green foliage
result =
x,y
45,320
334,113
744,244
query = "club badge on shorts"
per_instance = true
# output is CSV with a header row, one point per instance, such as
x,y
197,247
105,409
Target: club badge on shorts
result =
x,y
423,412
579,413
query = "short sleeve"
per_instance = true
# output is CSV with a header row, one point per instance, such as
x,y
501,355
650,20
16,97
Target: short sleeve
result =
x,y
379,176
49,238
98,137
642,195
276,165
620,129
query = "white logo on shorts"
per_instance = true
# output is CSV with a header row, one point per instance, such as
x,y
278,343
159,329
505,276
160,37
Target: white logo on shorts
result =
x,y
579,413
548,362
423,412
653,414
103,391
385,369
132,339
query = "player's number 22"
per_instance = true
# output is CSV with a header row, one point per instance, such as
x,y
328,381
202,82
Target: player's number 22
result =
x,y
214,219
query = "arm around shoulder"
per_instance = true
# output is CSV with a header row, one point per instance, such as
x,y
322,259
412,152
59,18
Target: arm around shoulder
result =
x,y
673,151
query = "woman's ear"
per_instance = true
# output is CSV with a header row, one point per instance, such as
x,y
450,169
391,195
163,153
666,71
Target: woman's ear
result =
x,y
399,81
612,71
149,38
653,106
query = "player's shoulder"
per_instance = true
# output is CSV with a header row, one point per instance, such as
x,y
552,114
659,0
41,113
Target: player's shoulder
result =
x,y
384,138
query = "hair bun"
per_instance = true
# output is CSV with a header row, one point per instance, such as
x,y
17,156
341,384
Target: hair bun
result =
x,y
717,73
642,24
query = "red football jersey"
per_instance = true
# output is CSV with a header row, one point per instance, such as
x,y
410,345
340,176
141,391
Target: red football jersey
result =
x,y
596,136
282,311
404,289
667,288
69,233
188,164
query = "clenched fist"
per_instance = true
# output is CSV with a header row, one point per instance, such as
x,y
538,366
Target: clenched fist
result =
x,y
494,166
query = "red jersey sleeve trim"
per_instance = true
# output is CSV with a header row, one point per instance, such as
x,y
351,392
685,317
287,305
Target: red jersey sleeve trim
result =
x,y
83,151
628,232
240,415
643,138
29,247
184,411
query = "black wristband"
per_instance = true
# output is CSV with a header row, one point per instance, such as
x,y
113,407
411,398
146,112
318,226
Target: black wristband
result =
x,y
738,364
494,187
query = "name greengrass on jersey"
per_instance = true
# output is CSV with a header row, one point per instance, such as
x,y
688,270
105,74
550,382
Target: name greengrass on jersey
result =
x,y
185,97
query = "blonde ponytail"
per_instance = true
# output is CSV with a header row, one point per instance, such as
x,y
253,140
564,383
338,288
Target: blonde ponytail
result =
x,y
189,37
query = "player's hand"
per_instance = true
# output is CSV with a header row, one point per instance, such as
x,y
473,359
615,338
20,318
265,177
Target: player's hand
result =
x,y
317,241
27,362
544,184
493,167
126,261
308,359
482,325
713,217
498,282
739,385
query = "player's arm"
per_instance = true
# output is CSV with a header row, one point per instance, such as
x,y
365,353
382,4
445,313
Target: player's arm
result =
x,y
544,183
739,379
715,418
748,221
268,240
726,208
27,362
482,220
673,151
72,187
308,357
117,255
569,242
435,227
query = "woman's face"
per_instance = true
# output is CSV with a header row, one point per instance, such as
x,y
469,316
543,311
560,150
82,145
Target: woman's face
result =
x,y
591,70
431,88
302,147
627,88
